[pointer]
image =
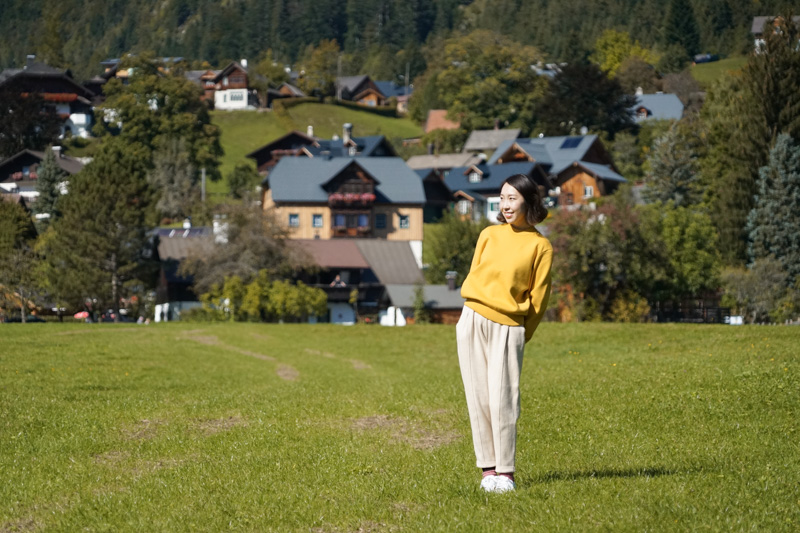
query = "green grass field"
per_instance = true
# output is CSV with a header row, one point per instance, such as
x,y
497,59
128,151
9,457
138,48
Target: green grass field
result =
x,y
245,131
186,427
707,73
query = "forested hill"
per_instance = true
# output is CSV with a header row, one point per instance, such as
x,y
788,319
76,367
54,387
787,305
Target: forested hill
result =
x,y
81,33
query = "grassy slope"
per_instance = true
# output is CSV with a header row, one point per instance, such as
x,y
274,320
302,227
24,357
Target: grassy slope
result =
x,y
244,131
184,427
707,73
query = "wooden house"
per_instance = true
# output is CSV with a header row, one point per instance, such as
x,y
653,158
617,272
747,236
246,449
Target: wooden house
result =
x,y
359,89
579,168
59,90
19,173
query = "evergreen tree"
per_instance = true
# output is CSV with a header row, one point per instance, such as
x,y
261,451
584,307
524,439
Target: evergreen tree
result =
x,y
48,185
582,95
17,258
745,116
98,248
681,27
775,218
26,122
673,168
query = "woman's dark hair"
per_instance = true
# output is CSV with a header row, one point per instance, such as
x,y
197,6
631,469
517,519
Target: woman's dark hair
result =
x,y
536,211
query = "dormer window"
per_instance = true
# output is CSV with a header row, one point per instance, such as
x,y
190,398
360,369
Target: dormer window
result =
x,y
352,151
474,177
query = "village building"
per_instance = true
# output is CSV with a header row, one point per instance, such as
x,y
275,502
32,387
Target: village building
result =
x,y
69,99
659,106
579,167
19,173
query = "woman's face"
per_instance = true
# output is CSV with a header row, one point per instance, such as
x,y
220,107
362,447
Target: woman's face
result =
x,y
513,208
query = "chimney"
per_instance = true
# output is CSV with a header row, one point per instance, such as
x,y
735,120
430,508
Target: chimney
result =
x,y
187,223
347,131
56,151
451,276
243,63
639,91
310,131
30,60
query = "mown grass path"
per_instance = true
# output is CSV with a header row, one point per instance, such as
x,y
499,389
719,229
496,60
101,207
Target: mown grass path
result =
x,y
187,427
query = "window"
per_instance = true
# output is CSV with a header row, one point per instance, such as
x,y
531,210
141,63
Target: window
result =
x,y
474,177
463,207
404,222
380,221
339,220
494,206
316,221
588,191
352,151
363,220
294,220
237,96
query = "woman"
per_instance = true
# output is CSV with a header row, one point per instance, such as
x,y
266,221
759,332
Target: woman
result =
x,y
506,294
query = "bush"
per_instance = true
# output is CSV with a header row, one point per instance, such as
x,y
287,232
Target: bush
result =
x,y
629,307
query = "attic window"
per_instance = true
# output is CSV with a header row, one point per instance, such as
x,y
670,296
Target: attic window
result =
x,y
571,142
352,151
474,177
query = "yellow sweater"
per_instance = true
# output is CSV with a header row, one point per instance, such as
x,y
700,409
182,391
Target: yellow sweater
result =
x,y
509,280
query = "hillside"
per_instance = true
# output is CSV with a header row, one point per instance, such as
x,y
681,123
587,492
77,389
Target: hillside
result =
x,y
244,131
81,33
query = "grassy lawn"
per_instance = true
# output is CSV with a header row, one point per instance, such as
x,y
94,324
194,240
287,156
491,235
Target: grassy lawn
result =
x,y
186,427
707,73
328,120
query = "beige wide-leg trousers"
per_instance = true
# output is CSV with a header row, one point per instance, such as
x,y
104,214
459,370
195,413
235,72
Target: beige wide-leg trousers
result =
x,y
490,357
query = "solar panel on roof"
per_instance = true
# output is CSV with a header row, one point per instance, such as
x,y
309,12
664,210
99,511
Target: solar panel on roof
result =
x,y
571,142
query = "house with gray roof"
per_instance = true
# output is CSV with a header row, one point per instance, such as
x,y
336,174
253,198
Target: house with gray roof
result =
x,y
19,173
444,302
296,144
326,197
659,106
360,89
476,188
579,167
763,23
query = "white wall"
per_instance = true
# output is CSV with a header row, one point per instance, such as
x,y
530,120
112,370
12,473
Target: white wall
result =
x,y
231,99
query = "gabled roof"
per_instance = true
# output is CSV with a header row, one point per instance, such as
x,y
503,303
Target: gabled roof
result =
x,y
68,164
601,171
301,179
365,146
295,91
333,253
492,177
481,140
390,88
351,83
177,243
302,140
392,261
437,120
659,107
37,71
435,296
442,161
557,152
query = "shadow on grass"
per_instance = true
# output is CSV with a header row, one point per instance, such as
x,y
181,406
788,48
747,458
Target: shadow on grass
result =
x,y
605,473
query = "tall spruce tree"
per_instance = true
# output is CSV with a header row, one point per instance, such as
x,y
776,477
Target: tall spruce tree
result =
x,y
98,246
745,115
673,174
681,27
48,185
17,257
773,223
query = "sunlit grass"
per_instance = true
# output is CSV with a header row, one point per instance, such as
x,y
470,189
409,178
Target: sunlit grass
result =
x,y
180,427
707,73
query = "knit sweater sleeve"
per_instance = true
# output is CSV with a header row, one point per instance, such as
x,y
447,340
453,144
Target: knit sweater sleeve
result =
x,y
540,291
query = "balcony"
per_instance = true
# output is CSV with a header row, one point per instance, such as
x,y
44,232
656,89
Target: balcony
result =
x,y
350,199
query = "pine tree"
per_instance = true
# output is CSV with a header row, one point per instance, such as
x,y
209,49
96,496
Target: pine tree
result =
x,y
773,223
48,185
173,178
98,247
673,175
681,27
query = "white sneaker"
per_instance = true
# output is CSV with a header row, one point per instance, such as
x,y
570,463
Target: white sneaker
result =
x,y
487,483
503,484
